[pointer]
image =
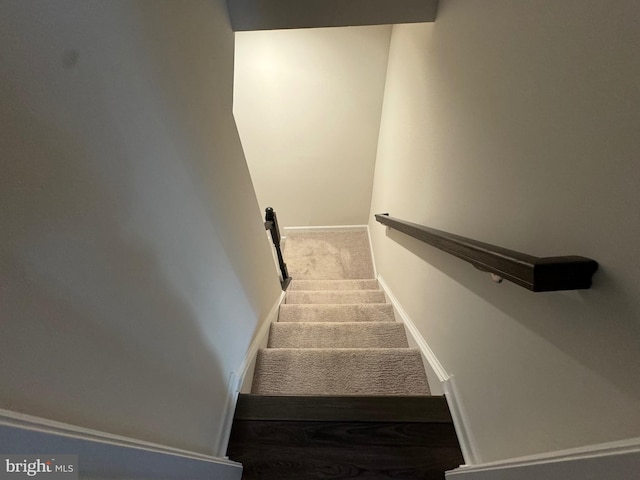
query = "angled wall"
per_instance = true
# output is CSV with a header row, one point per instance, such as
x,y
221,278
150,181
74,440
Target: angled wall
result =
x,y
515,123
134,264
307,104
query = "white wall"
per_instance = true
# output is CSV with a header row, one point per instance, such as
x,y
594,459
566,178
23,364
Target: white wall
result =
x,y
516,123
307,104
134,266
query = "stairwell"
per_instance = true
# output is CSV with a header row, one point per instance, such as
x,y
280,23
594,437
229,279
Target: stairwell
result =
x,y
337,392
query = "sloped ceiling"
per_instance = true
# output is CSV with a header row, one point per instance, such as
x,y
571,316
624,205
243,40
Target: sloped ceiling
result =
x,y
284,14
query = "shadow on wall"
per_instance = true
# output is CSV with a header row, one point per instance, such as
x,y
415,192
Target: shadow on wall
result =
x,y
579,323
92,331
198,111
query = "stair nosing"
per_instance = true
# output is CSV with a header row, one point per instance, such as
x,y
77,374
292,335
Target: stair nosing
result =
x,y
338,323
346,290
377,349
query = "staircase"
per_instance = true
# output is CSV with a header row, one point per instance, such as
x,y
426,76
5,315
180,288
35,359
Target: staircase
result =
x,y
337,392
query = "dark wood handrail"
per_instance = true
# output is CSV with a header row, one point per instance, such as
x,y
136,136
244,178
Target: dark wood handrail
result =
x,y
537,274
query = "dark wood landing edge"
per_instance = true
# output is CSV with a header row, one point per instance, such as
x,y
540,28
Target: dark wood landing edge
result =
x,y
426,409
533,273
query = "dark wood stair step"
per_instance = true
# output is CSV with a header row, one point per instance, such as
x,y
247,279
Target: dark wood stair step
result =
x,y
311,437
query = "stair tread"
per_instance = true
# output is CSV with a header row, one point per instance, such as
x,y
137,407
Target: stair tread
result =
x,y
367,284
321,450
334,296
345,312
337,335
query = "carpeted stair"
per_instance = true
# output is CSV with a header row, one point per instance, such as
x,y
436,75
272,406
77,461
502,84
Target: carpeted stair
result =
x,y
370,284
334,296
340,338
366,312
337,335
340,371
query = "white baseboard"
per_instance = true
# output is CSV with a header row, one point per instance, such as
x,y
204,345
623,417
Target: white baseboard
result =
x,y
458,413
431,358
461,422
373,258
240,380
104,455
233,387
619,460
245,370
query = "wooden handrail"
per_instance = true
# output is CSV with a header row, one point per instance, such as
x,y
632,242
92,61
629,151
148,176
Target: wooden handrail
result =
x,y
537,274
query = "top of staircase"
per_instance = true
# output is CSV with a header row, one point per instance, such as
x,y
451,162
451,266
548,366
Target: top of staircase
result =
x,y
329,255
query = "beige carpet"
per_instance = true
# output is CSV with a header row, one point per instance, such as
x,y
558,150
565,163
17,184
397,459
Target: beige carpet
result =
x,y
369,284
335,296
335,334
337,371
332,255
364,312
